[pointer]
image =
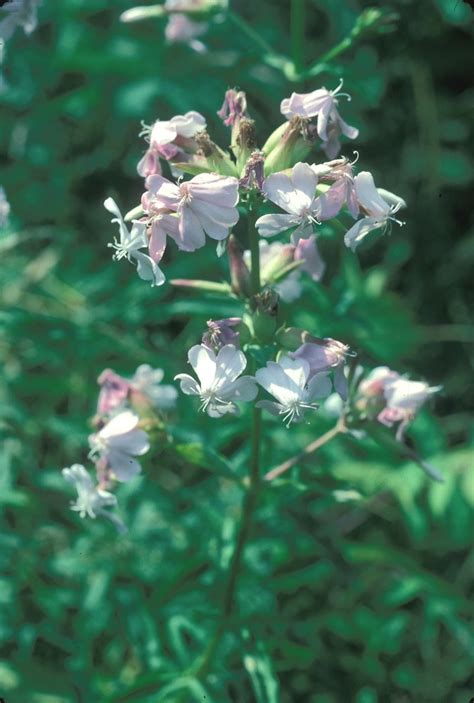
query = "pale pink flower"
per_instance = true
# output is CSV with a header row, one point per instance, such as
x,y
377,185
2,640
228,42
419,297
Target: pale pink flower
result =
x,y
170,139
322,104
326,356
289,381
296,195
379,211
205,205
148,382
342,191
307,251
118,442
220,382
182,30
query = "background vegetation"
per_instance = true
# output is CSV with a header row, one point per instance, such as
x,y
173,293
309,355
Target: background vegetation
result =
x,y
364,600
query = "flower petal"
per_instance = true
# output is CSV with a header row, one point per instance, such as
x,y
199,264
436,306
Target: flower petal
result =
x,y
368,195
203,361
270,225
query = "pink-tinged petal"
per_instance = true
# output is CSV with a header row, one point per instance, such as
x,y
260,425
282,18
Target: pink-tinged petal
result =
x,y
203,361
113,391
368,196
223,215
189,124
347,130
319,386
230,363
303,231
329,204
188,384
278,188
340,382
190,232
323,119
352,202
163,132
149,164
157,242
316,355
333,145
304,180
119,425
164,191
214,188
270,225
123,466
296,369
135,443
361,229
244,388
270,406
285,107
147,269
307,251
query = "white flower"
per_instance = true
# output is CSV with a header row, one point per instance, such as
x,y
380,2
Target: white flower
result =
x,y
130,243
219,383
148,381
296,195
90,498
118,442
287,382
379,211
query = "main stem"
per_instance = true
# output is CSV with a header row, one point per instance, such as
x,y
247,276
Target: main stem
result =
x,y
251,496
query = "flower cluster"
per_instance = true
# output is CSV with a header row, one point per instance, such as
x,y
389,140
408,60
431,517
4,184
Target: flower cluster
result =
x,y
306,193
119,437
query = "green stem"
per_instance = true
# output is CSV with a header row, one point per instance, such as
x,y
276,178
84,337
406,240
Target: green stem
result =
x,y
251,496
251,33
297,22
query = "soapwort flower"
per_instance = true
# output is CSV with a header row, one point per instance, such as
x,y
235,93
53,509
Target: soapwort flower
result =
x,y
325,356
321,103
206,204
91,499
379,210
170,139
296,195
289,382
118,442
220,382
129,244
221,332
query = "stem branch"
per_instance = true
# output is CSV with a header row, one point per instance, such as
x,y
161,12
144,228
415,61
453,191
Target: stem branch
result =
x,y
339,428
297,34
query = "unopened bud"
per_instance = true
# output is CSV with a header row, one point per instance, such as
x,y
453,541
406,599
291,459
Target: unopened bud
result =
x,y
245,142
293,146
216,158
264,318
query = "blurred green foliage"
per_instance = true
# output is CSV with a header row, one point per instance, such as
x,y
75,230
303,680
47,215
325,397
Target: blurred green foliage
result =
x,y
359,571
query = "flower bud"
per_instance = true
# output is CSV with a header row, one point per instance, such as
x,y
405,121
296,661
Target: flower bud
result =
x,y
217,159
239,272
222,332
245,142
294,145
264,317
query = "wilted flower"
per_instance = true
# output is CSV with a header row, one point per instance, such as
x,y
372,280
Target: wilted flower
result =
x,y
253,172
233,108
220,383
288,381
170,139
221,332
206,205
113,391
322,104
91,499
379,211
130,243
325,356
296,195
118,442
